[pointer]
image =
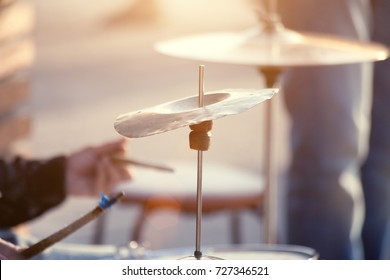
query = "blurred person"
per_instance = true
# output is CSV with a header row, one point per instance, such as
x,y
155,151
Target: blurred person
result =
x,y
376,168
29,188
329,111
335,204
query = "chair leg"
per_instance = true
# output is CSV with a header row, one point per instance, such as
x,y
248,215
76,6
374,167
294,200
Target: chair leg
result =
x,y
137,230
235,227
99,230
135,235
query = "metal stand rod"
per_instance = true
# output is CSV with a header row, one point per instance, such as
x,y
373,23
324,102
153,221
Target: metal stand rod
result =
x,y
199,205
271,75
198,253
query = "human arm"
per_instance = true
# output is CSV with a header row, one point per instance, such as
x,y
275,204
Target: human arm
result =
x,y
28,188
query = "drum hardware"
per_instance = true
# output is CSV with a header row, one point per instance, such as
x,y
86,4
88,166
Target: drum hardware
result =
x,y
197,112
242,252
272,48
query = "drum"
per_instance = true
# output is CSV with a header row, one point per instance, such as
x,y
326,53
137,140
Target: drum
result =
x,y
241,252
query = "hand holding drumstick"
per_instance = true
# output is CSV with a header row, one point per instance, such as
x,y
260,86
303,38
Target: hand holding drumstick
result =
x,y
99,169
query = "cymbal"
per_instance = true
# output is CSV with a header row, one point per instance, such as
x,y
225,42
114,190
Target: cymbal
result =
x,y
280,47
184,112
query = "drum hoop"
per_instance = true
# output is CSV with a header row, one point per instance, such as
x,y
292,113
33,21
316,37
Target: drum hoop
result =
x,y
307,252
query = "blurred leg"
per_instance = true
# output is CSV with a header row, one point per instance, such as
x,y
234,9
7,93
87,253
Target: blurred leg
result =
x,y
376,169
328,108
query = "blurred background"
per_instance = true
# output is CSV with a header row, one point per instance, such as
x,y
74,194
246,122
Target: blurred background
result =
x,y
95,60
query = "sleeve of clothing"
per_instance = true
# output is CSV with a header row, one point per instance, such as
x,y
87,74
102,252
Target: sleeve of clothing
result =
x,y
28,188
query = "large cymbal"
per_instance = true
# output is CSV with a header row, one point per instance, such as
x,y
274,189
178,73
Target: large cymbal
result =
x,y
280,47
184,112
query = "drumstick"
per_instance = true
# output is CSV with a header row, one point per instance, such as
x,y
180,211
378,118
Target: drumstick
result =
x,y
142,164
42,245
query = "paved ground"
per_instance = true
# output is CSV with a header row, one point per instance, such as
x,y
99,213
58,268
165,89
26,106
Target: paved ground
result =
x,y
91,68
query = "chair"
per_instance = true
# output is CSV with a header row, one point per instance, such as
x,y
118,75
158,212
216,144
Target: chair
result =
x,y
224,188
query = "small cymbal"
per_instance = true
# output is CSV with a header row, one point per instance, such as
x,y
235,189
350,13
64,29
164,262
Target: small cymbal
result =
x,y
280,47
185,112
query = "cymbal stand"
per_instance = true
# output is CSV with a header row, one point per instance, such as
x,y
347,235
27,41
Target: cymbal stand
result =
x,y
271,20
272,24
271,75
199,139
